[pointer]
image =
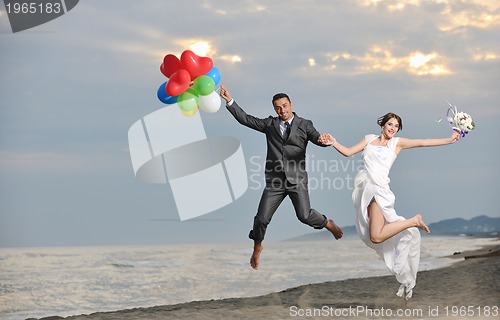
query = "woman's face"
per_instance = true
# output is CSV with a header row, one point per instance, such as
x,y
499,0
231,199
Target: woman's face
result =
x,y
390,128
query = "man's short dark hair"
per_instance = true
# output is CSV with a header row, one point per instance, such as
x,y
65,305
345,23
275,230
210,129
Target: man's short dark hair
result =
x,y
280,96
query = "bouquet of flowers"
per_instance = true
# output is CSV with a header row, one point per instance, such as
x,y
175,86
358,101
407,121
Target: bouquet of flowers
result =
x,y
459,120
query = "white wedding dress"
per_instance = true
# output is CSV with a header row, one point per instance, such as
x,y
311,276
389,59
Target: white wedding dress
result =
x,y
401,253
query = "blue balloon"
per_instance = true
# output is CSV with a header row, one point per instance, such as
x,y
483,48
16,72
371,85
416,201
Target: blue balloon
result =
x,y
214,73
164,97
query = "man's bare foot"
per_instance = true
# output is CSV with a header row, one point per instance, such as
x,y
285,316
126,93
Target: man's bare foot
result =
x,y
334,229
420,223
254,260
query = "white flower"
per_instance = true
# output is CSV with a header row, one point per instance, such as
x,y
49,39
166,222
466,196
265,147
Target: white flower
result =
x,y
461,121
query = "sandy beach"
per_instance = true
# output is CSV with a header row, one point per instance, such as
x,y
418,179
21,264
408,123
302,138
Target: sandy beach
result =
x,y
467,289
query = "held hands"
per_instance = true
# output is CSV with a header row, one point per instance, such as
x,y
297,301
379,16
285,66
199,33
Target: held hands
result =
x,y
225,94
455,136
326,139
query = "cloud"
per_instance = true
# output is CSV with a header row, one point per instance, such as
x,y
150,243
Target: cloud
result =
x,y
380,59
234,8
453,14
484,55
481,16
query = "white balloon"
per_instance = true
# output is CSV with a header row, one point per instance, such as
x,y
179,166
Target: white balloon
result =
x,y
210,103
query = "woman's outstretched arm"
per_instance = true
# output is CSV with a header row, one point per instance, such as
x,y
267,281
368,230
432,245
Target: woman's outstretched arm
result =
x,y
328,140
405,143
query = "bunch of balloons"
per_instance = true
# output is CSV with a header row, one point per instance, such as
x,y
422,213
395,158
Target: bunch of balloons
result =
x,y
191,83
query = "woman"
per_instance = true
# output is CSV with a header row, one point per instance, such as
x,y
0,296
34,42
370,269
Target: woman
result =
x,y
394,238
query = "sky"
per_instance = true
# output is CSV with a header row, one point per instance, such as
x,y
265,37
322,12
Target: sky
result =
x,y
71,88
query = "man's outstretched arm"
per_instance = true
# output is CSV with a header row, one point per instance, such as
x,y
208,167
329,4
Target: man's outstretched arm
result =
x,y
239,114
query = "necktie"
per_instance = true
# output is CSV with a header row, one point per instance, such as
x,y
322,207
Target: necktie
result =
x,y
286,132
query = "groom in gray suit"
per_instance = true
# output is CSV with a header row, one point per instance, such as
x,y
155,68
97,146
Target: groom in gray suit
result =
x,y
287,136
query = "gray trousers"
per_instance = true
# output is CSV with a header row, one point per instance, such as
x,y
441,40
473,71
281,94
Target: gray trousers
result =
x,y
273,195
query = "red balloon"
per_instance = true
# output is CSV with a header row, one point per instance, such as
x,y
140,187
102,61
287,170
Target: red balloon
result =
x,y
178,83
195,65
170,65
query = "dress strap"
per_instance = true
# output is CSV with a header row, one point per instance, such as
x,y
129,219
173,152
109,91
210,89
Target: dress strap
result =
x,y
369,138
393,143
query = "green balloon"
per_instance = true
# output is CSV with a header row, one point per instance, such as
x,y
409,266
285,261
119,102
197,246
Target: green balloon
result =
x,y
188,100
204,85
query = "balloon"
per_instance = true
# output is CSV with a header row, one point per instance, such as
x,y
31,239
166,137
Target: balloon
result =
x,y
178,83
191,83
195,65
163,96
214,73
188,100
210,103
204,85
190,112
170,65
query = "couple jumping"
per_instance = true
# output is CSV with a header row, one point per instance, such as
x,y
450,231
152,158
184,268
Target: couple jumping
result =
x,y
395,238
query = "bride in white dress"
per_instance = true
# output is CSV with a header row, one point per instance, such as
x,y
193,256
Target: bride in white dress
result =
x,y
394,238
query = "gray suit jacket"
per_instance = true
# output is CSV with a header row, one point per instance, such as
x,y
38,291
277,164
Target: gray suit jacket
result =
x,y
285,160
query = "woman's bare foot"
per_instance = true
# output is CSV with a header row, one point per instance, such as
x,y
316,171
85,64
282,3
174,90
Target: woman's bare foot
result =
x,y
419,223
254,260
334,229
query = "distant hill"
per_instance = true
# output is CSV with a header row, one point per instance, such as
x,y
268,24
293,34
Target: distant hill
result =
x,y
481,226
478,226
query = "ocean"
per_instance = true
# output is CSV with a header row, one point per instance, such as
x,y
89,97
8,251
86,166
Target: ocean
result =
x,y
64,281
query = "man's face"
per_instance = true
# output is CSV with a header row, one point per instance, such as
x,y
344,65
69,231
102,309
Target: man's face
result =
x,y
283,108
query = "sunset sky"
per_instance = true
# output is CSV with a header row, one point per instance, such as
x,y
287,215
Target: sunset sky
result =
x,y
71,88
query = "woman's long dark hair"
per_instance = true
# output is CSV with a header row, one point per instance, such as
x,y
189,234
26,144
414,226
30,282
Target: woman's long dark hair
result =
x,y
388,116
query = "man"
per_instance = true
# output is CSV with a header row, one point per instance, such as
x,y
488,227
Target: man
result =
x,y
287,137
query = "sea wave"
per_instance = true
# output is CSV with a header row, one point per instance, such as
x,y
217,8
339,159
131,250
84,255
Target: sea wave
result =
x,y
39,282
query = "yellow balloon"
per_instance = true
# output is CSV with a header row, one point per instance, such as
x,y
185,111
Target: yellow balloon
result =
x,y
189,113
